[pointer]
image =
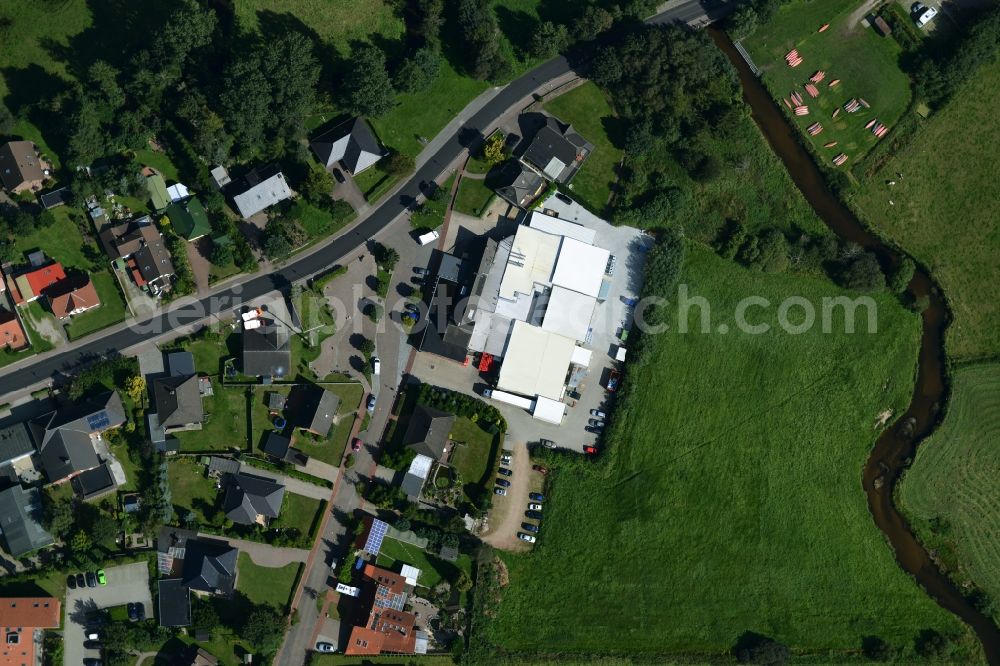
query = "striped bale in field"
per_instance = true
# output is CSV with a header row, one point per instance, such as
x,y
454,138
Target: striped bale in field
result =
x,y
802,110
834,83
830,145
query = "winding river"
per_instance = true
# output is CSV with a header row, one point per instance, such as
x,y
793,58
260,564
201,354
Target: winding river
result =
x,y
898,444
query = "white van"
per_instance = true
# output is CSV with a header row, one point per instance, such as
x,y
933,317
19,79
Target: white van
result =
x,y
927,15
429,237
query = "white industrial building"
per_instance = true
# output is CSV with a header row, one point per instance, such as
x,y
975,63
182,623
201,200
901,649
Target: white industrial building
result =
x,y
533,307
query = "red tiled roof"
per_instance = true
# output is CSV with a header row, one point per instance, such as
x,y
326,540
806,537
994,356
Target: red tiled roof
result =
x,y
42,278
385,629
136,275
73,296
11,333
21,615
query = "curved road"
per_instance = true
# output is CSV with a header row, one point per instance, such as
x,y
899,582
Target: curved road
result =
x,y
21,376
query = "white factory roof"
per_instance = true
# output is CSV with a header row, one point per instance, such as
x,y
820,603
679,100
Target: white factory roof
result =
x,y
536,362
550,411
532,257
580,267
410,573
569,313
559,227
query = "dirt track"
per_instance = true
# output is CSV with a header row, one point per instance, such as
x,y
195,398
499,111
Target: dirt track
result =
x,y
508,512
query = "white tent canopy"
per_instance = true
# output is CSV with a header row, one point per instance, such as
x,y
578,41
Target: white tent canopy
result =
x,y
550,411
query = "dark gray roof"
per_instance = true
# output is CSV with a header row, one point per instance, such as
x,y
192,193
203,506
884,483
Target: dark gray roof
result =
x,y
442,334
94,482
210,566
518,184
411,485
20,520
15,442
314,408
63,436
448,553
223,465
249,496
180,363
450,268
266,352
279,446
174,600
55,198
173,537
352,143
556,141
177,400
428,431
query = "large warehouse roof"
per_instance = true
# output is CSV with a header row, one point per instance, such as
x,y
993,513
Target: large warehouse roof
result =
x,y
580,267
569,313
532,256
559,227
536,362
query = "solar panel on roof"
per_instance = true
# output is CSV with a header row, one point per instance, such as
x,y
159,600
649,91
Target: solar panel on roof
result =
x,y
99,420
374,543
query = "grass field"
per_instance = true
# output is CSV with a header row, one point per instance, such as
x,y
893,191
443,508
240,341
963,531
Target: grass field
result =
x,y
732,500
865,63
945,214
472,457
952,492
266,585
473,197
192,490
225,426
298,512
432,569
586,108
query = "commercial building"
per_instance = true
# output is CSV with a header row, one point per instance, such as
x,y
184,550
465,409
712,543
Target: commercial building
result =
x,y
22,620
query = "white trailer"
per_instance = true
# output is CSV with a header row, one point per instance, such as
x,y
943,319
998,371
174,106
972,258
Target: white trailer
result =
x,y
511,399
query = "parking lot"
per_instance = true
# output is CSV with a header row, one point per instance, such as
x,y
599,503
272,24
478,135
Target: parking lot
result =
x,y
126,583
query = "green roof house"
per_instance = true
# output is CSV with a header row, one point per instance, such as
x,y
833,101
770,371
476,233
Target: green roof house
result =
x,y
157,191
189,219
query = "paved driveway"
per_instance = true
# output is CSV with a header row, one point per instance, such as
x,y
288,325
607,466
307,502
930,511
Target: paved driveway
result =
x,y
129,582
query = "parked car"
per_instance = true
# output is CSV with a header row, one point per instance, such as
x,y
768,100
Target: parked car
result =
x,y
500,491
91,579
505,459
356,444
93,636
590,450
503,483
535,506
562,197
529,527
411,307
371,404
613,380
417,270
101,578
428,237
133,614
598,413
541,469
597,423
547,443
90,661
525,537
71,582
80,580
338,175
534,515
376,365
141,611
325,647
92,645
538,497
923,13
505,471
594,430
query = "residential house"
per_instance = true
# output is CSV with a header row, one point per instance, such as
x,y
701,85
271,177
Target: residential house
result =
x,y
174,601
314,408
65,437
262,192
352,144
557,151
157,189
55,198
209,567
198,656
21,521
15,444
144,250
171,545
73,296
12,335
21,168
381,625
177,397
251,499
278,446
22,622
189,219
94,483
267,351
518,184
34,282
428,432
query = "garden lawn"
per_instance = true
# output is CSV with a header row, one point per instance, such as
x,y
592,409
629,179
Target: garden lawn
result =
x,y
159,161
192,490
866,64
298,512
473,197
225,426
209,350
473,458
266,585
433,569
952,492
586,108
431,213
730,499
945,212
111,311
375,183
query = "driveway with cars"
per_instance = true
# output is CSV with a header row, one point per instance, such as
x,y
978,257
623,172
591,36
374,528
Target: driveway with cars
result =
x,y
126,583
